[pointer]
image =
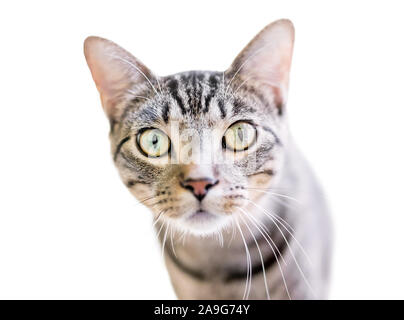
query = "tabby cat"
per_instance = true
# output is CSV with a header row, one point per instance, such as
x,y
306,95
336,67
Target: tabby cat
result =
x,y
236,207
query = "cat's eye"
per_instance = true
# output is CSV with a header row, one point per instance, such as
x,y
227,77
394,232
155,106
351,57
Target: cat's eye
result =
x,y
153,142
239,136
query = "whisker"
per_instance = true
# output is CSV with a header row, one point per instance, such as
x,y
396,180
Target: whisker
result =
x,y
249,267
278,219
262,225
284,202
143,201
220,236
262,260
289,228
242,65
244,82
250,217
274,194
157,219
164,240
182,237
137,69
172,242
158,233
269,215
151,205
136,96
233,233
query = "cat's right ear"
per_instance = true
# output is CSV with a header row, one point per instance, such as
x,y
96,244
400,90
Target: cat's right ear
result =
x,y
115,71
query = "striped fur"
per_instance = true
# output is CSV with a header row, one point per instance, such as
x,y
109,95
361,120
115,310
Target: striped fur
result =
x,y
265,218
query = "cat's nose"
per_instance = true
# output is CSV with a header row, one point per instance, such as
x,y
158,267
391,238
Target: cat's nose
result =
x,y
199,187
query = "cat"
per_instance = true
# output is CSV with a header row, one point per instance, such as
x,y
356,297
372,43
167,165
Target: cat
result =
x,y
236,207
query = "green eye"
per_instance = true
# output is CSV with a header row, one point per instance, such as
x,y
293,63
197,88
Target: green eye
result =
x,y
239,136
153,143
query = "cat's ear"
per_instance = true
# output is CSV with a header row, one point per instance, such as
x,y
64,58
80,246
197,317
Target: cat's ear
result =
x,y
266,60
115,71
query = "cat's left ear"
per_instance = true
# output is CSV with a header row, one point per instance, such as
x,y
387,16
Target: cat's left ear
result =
x,y
266,61
115,71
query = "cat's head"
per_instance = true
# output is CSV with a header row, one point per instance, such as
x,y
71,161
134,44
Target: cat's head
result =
x,y
197,147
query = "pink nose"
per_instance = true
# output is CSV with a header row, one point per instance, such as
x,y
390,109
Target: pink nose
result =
x,y
199,187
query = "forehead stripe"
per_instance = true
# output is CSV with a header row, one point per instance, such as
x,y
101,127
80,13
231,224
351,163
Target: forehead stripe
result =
x,y
213,83
173,86
165,112
222,108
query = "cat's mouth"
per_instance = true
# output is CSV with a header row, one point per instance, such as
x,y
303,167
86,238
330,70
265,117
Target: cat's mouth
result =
x,y
202,222
201,215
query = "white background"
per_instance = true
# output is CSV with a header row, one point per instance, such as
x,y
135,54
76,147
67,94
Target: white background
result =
x,y
68,226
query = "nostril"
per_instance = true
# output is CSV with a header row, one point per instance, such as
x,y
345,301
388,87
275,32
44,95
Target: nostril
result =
x,y
199,187
210,185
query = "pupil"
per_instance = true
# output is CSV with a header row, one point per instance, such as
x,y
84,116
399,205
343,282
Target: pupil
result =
x,y
240,134
155,140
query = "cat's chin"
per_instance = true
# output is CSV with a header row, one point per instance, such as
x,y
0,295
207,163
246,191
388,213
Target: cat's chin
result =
x,y
203,223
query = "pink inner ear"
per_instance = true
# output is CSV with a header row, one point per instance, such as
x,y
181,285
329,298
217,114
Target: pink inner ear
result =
x,y
271,67
112,87
108,76
111,75
114,71
267,59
